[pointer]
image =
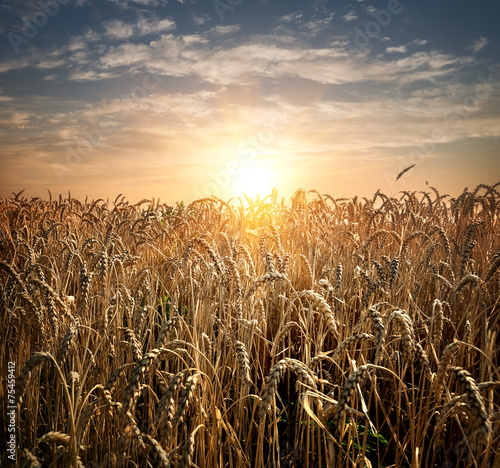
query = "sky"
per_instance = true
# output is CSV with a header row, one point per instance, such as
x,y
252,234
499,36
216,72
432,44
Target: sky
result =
x,y
184,99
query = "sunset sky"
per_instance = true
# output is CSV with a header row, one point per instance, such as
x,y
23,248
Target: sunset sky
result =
x,y
181,99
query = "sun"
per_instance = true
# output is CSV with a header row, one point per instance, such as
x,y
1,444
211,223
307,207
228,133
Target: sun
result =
x,y
254,179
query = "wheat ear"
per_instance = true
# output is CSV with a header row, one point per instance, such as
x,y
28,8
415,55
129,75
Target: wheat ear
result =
x,y
437,321
267,278
443,365
407,334
359,337
347,390
67,341
186,397
133,385
54,436
165,414
31,460
161,455
33,361
244,361
168,327
320,303
188,449
476,403
299,368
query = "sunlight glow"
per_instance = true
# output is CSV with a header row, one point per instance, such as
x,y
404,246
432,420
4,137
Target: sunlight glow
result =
x,y
253,180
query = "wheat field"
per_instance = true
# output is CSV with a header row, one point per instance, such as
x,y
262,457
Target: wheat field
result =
x,y
314,332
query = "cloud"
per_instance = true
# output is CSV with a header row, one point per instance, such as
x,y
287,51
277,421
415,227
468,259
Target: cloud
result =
x,y
117,29
153,25
230,29
3,97
320,5
292,17
194,39
398,49
479,44
126,4
200,20
419,42
77,44
208,60
272,56
314,26
350,16
15,64
12,119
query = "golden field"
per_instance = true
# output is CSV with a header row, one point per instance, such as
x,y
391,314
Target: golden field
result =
x,y
314,332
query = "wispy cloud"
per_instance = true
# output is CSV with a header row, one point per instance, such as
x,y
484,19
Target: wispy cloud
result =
x,y
292,17
419,42
271,56
230,29
154,25
136,3
200,19
350,16
12,119
479,44
117,29
399,49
